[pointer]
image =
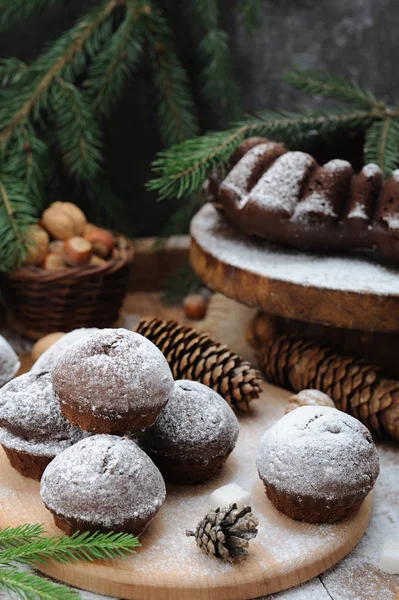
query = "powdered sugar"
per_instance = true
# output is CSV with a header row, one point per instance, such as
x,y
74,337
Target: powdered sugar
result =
x,y
318,452
196,424
30,417
358,212
46,361
111,373
9,362
337,164
395,174
104,480
371,170
392,220
279,187
347,273
314,203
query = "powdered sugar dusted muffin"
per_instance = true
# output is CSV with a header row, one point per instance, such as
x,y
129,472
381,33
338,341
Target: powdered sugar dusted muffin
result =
x,y
194,434
32,429
317,464
116,381
46,361
103,483
9,361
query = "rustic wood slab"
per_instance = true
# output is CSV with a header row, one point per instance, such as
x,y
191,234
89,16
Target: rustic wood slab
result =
x,y
169,565
343,291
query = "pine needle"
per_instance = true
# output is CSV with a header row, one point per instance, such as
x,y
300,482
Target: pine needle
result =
x,y
31,587
251,11
382,144
14,11
79,547
22,534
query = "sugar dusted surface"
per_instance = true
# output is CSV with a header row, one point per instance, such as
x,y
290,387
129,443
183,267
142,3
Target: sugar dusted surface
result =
x,y
30,417
358,212
318,451
337,164
315,202
196,424
371,170
347,273
278,188
103,479
46,361
395,174
9,361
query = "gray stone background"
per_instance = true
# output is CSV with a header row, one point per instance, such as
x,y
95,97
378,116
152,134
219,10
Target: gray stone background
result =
x,y
353,38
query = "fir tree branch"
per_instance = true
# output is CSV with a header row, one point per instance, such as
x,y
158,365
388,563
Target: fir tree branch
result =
x,y
382,144
320,84
118,59
79,547
12,11
182,169
251,11
17,212
22,534
77,132
176,107
218,87
31,587
68,51
13,71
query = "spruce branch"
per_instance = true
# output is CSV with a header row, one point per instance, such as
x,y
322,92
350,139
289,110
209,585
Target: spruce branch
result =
x,y
13,71
320,84
12,11
118,59
22,534
77,132
32,587
79,547
382,144
251,11
218,87
65,57
17,212
175,104
182,169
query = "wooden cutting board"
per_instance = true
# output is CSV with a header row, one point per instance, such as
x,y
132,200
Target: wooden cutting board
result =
x,y
352,291
169,565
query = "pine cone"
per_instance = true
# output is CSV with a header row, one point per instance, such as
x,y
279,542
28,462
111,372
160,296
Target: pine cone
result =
x,y
195,356
225,532
356,387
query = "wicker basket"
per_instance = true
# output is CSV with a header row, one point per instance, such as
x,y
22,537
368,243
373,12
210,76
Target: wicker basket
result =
x,y
40,301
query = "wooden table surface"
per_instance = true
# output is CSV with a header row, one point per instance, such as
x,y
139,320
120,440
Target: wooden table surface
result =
x,y
356,577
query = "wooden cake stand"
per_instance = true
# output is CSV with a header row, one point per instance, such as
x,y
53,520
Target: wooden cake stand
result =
x,y
169,566
355,291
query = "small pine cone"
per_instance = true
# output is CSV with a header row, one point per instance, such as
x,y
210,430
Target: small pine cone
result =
x,y
355,387
225,532
195,356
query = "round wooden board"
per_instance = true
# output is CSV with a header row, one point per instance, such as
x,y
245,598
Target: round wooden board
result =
x,y
343,291
169,565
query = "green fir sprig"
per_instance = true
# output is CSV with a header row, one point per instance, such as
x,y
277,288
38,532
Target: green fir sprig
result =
x,y
181,170
28,545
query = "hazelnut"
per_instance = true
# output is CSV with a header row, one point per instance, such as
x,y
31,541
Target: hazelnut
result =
x,y
53,262
78,217
77,251
56,246
44,343
89,227
195,306
97,261
37,243
58,223
309,398
101,241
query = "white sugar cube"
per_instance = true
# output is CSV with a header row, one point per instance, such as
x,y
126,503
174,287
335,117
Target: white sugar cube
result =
x,y
389,557
229,494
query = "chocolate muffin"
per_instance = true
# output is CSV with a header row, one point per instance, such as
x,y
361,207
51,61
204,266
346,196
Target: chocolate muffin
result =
x,y
317,464
104,483
46,361
193,436
9,362
116,381
32,429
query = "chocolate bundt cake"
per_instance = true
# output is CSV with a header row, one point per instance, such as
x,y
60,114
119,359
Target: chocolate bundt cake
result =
x,y
288,198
